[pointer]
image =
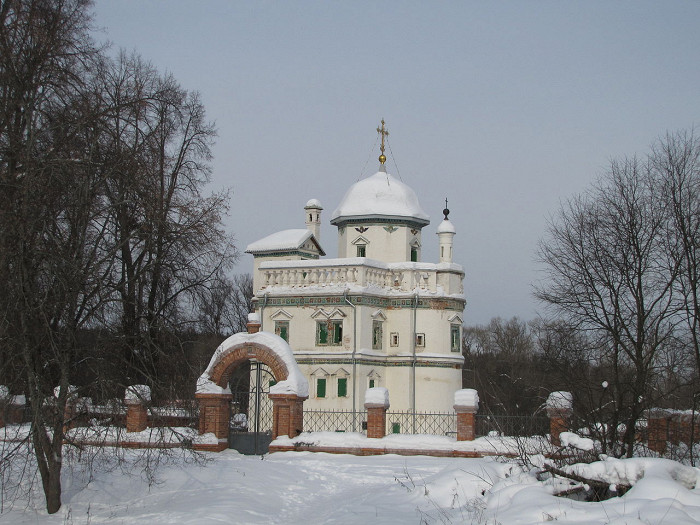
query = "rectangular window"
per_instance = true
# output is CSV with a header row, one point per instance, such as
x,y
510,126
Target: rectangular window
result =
x,y
396,428
342,387
414,254
371,383
376,335
320,388
322,333
420,339
329,333
361,250
394,339
282,329
455,338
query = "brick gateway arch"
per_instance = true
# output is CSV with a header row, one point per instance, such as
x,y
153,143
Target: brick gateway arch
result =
x,y
214,395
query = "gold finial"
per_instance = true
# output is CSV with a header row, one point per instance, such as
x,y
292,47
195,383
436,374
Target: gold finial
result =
x,y
384,133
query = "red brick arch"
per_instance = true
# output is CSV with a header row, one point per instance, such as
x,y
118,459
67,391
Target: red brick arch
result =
x,y
242,352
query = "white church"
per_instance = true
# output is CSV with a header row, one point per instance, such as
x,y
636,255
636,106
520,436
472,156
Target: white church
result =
x,y
376,315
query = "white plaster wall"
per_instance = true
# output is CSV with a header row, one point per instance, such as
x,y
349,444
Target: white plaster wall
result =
x,y
382,245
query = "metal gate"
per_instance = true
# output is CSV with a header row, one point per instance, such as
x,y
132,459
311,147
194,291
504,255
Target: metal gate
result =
x,y
250,429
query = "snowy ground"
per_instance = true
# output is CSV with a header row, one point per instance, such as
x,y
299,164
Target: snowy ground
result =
x,y
303,487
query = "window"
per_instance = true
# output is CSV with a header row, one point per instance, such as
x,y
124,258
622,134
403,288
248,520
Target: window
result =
x,y
414,254
394,339
396,428
320,387
329,333
371,383
282,329
272,383
455,339
361,250
420,339
376,335
342,387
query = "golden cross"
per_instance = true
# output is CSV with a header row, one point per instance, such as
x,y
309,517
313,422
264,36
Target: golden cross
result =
x,y
384,133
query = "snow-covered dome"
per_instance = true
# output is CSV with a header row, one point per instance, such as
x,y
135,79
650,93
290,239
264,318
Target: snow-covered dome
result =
x,y
446,226
313,203
380,196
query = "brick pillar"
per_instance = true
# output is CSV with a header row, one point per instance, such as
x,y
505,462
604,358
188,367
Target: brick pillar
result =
x,y
135,398
657,429
214,414
559,410
376,404
253,324
287,415
466,405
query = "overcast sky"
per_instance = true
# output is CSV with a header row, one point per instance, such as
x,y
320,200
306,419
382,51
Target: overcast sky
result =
x,y
505,108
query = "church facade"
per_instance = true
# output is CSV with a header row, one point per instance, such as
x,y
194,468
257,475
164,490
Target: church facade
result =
x,y
376,315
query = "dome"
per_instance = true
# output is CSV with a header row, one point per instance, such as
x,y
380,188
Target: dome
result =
x,y
446,226
313,203
380,196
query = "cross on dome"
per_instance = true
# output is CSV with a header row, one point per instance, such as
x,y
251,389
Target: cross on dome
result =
x,y
384,133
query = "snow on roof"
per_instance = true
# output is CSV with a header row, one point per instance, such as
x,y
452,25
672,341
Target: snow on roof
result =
x,y
282,240
446,226
295,383
380,195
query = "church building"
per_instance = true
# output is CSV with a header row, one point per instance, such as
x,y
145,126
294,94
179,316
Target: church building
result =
x,y
376,315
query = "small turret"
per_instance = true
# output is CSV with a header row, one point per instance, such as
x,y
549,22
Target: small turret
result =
x,y
312,213
446,232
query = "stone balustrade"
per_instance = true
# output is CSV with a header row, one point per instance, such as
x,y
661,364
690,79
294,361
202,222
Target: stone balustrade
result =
x,y
303,274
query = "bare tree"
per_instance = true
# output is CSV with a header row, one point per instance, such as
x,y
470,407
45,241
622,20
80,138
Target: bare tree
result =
x,y
224,306
676,162
608,274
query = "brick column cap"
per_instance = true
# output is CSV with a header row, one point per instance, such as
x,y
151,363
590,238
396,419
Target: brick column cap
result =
x,y
291,397
466,400
253,324
560,404
377,396
137,394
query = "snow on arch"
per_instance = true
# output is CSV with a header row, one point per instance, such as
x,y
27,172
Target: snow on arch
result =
x,y
294,383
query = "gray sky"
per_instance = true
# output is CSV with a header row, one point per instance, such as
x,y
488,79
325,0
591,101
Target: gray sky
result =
x,y
505,108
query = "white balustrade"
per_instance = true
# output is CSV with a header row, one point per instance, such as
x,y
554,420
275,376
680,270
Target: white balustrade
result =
x,y
303,275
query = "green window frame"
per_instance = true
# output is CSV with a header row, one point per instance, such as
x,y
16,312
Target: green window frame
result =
x,y
377,335
320,387
414,254
455,338
342,387
329,333
362,250
371,383
282,329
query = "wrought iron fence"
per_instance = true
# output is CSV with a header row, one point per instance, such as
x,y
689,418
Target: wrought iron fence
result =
x,y
435,423
502,425
335,421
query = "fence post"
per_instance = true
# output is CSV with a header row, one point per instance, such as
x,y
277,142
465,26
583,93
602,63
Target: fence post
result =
x,y
559,409
135,398
466,406
376,404
253,324
287,415
657,429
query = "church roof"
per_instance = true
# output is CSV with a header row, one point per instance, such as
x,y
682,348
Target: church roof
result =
x,y
284,240
380,196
